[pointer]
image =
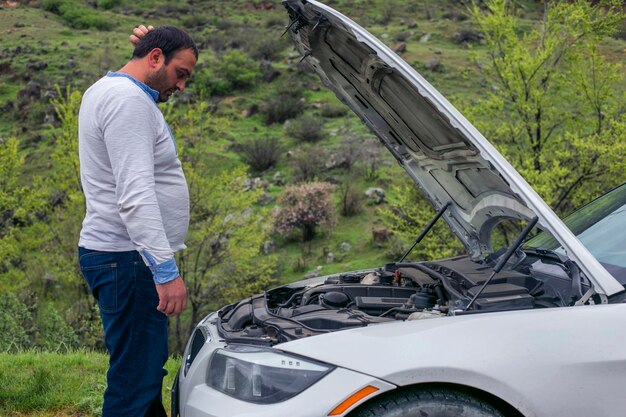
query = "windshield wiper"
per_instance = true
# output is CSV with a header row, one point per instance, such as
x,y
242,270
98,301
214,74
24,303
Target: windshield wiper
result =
x,y
503,260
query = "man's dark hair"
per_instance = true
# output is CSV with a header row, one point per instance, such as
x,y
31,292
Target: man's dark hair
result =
x,y
169,39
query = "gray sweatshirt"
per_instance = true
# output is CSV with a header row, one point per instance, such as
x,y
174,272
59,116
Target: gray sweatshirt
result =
x,y
135,189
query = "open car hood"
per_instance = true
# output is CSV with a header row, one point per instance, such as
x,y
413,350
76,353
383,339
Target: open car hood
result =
x,y
449,160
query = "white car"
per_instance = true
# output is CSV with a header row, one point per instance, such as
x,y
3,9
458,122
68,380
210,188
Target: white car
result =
x,y
536,330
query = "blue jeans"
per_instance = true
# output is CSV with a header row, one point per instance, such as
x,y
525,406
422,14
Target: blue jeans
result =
x,y
135,332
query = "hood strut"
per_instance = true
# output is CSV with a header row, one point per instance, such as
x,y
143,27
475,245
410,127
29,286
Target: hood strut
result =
x,y
426,229
515,246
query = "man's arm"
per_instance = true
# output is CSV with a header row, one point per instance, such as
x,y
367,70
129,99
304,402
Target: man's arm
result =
x,y
129,134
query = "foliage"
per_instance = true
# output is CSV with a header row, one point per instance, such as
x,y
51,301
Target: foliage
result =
x,y
232,71
307,128
23,327
109,4
78,15
223,261
332,110
20,206
560,119
261,153
307,164
305,207
351,200
284,105
15,323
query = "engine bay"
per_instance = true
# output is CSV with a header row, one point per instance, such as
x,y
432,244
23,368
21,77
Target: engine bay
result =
x,y
397,291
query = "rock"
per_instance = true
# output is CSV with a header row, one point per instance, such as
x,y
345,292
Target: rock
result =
x,y
269,247
36,66
269,72
51,94
402,36
265,199
425,37
335,161
468,36
30,93
250,111
345,247
7,107
435,65
399,48
330,258
254,184
380,235
278,178
5,67
376,194
50,117
317,272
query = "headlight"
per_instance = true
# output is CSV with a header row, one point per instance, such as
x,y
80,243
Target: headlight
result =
x,y
261,376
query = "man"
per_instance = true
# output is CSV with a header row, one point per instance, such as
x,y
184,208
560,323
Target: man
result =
x,y
137,215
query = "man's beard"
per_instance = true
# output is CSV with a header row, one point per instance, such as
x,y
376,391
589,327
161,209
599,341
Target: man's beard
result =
x,y
157,82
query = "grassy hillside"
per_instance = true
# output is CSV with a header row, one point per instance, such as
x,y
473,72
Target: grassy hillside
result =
x,y
38,384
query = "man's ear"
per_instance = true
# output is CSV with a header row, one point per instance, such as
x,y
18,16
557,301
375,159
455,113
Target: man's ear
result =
x,y
156,58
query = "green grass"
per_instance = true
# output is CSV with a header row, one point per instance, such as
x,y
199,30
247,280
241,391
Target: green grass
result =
x,y
50,384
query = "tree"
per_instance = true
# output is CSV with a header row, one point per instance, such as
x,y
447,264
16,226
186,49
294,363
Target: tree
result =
x,y
306,207
224,260
556,110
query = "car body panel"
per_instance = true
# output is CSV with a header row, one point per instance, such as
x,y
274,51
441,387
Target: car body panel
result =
x,y
556,362
197,399
449,160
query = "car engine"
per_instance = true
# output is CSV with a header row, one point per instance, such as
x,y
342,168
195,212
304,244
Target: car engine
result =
x,y
397,291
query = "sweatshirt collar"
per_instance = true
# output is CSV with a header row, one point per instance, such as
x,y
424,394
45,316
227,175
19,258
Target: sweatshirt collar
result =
x,y
154,94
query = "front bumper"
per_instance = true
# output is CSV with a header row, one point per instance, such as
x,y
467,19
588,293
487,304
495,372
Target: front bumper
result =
x,y
192,397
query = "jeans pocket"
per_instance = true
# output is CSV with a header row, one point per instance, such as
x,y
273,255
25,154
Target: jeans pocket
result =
x,y
102,281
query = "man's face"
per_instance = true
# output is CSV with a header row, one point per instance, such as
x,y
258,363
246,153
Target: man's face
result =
x,y
173,76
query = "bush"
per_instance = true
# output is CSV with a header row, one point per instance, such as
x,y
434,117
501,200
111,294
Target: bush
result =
x,y
239,70
55,335
15,321
305,207
282,107
332,111
77,15
307,165
351,200
307,128
261,153
234,70
264,47
109,4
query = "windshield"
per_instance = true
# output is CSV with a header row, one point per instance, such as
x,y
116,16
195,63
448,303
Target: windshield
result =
x,y
600,227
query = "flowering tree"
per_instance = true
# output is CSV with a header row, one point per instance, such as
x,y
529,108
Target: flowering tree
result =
x,y
305,207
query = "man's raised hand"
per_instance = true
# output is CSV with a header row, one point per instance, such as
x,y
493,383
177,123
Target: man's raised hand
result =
x,y
138,33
